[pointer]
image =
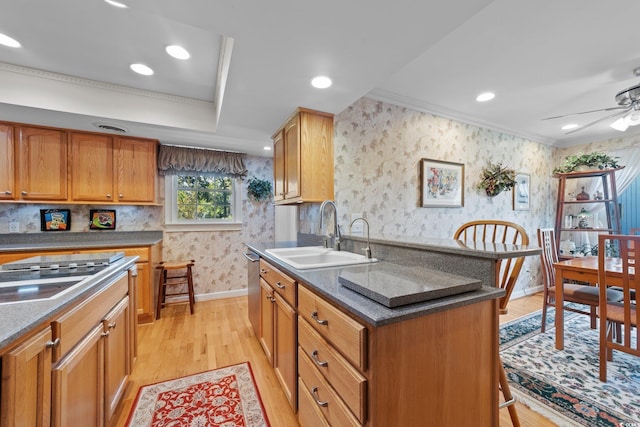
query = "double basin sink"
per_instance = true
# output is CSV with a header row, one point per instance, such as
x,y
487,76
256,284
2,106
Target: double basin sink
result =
x,y
307,257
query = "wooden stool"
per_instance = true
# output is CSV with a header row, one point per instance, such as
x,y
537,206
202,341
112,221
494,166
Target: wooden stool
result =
x,y
183,277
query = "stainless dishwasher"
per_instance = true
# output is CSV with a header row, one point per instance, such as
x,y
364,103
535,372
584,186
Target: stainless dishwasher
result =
x,y
253,289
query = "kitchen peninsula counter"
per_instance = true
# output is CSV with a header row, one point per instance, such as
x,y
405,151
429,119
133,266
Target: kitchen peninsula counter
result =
x,y
325,282
20,318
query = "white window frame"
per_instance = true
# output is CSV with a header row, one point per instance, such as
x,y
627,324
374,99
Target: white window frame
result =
x,y
172,224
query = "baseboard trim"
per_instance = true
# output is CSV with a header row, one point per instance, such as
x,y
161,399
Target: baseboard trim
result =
x,y
221,295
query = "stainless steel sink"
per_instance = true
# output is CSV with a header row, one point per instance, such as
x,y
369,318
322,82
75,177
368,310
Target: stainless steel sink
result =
x,y
317,257
37,289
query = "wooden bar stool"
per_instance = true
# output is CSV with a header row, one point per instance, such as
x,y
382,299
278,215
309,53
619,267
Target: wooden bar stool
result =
x,y
171,274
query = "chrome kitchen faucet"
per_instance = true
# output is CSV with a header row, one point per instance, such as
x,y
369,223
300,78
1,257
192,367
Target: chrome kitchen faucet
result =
x,y
336,228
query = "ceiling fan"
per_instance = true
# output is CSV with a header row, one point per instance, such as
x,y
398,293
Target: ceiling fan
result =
x,y
627,111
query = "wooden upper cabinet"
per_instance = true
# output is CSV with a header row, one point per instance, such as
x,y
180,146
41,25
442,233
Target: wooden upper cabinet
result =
x,y
91,167
135,169
112,169
278,166
308,157
7,159
42,164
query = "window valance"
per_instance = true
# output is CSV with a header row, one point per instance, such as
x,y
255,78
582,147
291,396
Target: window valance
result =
x,y
174,160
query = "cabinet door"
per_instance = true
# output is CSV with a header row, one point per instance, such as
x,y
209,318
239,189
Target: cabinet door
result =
x,y
278,167
285,355
7,169
78,384
266,319
292,156
91,167
25,397
116,329
42,164
135,162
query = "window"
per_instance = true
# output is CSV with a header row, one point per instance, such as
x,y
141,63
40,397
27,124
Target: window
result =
x,y
196,202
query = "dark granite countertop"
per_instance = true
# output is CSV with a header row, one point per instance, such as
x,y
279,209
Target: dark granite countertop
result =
x,y
325,281
28,242
18,319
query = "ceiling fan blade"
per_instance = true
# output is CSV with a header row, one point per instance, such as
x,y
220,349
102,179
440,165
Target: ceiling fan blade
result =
x,y
625,107
610,116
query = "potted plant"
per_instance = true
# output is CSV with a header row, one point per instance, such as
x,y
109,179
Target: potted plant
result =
x,y
591,161
258,189
496,178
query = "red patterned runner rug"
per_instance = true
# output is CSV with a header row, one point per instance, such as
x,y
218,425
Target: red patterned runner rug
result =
x,y
225,397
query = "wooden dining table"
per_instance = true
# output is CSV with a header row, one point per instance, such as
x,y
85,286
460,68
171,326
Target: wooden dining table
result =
x,y
583,269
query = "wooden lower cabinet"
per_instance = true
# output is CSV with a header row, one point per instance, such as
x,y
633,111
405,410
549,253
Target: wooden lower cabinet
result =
x,y
404,373
278,327
25,396
74,372
78,384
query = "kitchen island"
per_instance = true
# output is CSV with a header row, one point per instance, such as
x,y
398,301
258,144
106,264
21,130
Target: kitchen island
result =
x,y
358,362
146,245
69,351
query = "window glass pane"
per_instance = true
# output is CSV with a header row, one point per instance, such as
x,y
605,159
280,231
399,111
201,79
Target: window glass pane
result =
x,y
204,198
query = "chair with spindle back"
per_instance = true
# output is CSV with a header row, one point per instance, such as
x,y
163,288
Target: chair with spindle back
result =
x,y
507,271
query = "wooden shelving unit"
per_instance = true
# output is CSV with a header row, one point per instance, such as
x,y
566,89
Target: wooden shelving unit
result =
x,y
609,200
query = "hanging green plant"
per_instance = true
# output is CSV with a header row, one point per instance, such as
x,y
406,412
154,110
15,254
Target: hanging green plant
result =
x,y
258,189
496,178
588,161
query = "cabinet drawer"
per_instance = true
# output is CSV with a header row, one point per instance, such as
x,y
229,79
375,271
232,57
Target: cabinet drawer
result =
x,y
345,334
348,383
74,325
309,414
280,282
324,397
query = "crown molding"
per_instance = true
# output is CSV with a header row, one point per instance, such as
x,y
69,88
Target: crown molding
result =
x,y
64,78
425,107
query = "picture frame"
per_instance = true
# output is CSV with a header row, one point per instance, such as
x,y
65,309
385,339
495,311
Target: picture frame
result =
x,y
521,192
442,184
55,219
102,219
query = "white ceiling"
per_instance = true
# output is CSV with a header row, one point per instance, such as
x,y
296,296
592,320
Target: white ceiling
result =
x,y
542,58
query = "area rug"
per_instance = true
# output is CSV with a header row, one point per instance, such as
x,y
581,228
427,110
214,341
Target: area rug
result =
x,y
564,386
225,397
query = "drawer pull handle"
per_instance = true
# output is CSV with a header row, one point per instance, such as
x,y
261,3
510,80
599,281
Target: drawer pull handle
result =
x,y
314,356
8,193
105,334
280,286
314,316
52,344
263,271
318,401
112,325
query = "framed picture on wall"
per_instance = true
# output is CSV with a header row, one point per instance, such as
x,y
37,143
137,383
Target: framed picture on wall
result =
x,y
522,192
55,219
442,184
102,219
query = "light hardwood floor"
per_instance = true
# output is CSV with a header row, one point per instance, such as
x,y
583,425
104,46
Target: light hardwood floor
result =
x,y
219,334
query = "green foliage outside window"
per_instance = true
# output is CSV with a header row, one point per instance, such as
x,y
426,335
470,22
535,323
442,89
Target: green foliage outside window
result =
x,y
203,197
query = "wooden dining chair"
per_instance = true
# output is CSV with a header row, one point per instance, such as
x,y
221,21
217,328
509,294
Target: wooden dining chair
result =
x,y
621,271
493,231
501,232
586,295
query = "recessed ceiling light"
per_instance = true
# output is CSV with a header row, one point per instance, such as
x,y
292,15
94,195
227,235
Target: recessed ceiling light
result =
x,y
116,4
569,126
321,82
8,41
178,52
142,69
267,148
484,97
